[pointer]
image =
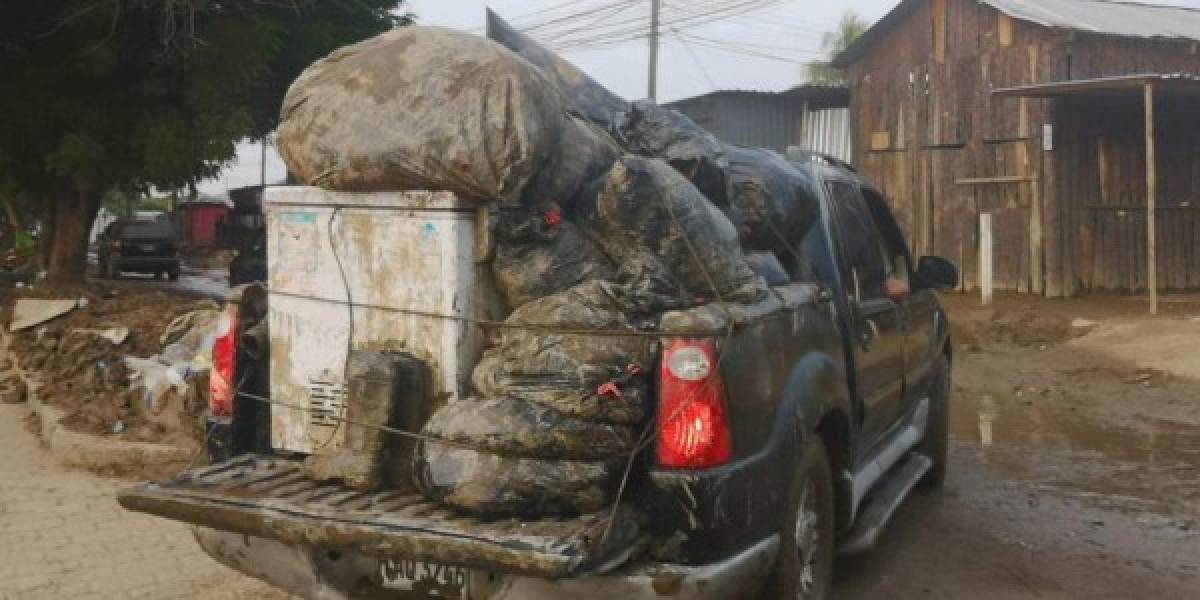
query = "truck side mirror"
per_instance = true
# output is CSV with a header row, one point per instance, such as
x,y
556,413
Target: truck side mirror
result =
x,y
935,272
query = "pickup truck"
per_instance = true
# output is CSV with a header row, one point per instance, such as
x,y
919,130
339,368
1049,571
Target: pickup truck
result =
x,y
831,407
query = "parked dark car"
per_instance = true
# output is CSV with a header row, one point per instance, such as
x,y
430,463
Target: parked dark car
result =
x,y
139,246
250,264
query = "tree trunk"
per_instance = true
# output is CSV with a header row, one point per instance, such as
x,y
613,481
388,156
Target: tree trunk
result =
x,y
14,221
75,209
45,233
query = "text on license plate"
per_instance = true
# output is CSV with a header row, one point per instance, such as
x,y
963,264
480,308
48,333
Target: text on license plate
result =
x,y
433,580
148,247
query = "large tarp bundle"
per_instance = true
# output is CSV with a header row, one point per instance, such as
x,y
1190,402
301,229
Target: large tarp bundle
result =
x,y
776,201
491,484
539,253
644,204
652,130
421,108
559,415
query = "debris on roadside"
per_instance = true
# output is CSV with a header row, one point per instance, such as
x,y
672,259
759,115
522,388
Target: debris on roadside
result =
x,y
30,312
94,382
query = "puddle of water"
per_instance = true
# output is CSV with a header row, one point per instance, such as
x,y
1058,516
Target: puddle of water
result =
x,y
1152,466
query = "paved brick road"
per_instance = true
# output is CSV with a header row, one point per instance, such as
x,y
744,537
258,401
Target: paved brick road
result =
x,y
62,535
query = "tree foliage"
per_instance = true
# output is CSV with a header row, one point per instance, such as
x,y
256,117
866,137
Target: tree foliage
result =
x,y
833,43
130,94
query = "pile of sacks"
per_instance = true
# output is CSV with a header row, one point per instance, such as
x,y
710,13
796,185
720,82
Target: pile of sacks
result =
x,y
611,213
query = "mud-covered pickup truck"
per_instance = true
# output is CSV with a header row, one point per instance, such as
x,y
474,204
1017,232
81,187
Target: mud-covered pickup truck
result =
x,y
830,407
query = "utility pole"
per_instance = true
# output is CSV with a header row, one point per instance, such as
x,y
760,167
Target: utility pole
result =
x,y
262,165
652,83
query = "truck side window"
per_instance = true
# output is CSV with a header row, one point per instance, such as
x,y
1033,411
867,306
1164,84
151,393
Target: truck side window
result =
x,y
865,270
895,248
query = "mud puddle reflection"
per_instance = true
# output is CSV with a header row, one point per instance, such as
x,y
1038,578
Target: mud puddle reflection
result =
x,y
1139,466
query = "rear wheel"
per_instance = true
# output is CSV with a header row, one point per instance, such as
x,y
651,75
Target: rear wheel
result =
x,y
173,274
936,444
804,567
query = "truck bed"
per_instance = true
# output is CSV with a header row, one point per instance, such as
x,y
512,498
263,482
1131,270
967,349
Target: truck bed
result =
x,y
269,497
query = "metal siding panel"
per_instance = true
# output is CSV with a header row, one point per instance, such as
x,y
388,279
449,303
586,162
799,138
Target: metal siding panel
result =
x,y
828,132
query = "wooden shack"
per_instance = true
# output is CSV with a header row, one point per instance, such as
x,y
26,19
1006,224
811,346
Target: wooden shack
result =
x,y
1036,113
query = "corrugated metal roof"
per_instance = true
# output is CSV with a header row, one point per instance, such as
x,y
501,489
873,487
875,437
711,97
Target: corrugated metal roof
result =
x,y
1104,17
1127,19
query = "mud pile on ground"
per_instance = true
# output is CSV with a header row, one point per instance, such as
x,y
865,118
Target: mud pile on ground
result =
x,y
79,359
1010,326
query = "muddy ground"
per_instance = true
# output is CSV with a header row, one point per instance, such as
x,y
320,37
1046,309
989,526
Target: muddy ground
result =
x,y
86,376
1076,460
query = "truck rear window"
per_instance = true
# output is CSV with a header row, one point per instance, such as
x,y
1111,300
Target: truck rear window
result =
x,y
146,230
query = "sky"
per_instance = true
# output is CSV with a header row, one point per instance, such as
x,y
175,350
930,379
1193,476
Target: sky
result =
x,y
761,49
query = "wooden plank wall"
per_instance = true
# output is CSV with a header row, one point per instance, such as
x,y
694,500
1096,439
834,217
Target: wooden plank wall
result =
x,y
944,126
1102,162
925,90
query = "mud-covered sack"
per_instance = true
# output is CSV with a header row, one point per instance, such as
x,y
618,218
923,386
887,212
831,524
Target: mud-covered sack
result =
x,y
593,100
768,266
616,397
776,201
580,334
513,427
583,153
644,204
421,108
657,132
489,484
538,253
575,352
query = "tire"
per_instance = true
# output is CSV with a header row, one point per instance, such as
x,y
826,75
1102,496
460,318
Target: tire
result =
x,y
936,444
804,567
173,274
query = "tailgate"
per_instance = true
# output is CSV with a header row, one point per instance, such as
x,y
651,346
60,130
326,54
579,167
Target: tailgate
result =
x,y
269,497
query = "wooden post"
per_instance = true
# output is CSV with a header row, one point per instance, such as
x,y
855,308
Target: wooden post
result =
x,y
1151,202
985,257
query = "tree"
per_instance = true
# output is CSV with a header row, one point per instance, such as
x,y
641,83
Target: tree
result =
x,y
134,94
833,43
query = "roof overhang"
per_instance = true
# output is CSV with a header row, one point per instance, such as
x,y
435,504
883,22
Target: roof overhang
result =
x,y
817,95
1096,17
1180,84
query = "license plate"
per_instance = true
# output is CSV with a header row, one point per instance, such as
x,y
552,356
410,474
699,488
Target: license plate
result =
x,y
147,247
432,580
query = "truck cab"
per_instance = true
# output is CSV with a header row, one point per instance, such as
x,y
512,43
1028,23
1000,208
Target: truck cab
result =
x,y
784,432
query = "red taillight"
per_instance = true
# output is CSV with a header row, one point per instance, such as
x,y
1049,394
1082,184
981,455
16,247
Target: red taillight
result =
x,y
224,351
693,429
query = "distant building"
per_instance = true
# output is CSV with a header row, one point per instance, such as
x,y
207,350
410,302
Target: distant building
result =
x,y
200,218
1033,112
811,117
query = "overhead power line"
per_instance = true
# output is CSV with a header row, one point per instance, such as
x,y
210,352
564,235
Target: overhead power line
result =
x,y
696,60
743,51
704,14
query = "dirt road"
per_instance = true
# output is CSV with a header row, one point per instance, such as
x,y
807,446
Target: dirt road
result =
x,y
1075,475
1076,461
62,535
194,282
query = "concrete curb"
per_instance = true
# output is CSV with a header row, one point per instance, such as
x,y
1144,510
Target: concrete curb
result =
x,y
105,455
